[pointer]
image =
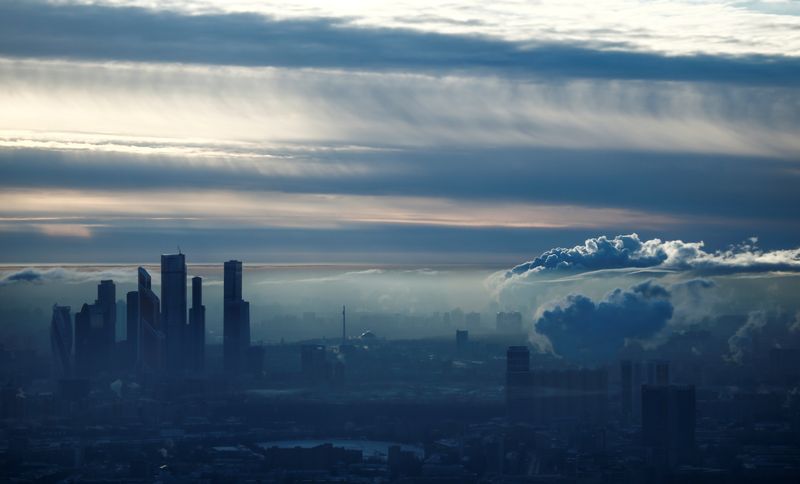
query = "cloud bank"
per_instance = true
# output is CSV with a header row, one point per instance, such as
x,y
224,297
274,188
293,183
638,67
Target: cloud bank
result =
x,y
581,329
629,251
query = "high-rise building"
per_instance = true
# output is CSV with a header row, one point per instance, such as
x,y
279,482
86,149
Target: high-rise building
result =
x,y
518,371
150,358
92,353
668,420
509,322
132,328
462,340
626,379
313,363
236,319
61,341
173,309
197,327
107,300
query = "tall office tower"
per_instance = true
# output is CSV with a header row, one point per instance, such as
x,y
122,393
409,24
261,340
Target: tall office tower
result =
x,y
668,420
132,328
107,300
518,373
462,340
509,322
626,378
61,341
344,325
197,327
173,309
236,319
313,363
91,349
150,358
661,372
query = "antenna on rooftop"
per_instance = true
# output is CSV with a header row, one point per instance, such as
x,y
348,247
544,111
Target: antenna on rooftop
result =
x,y
344,324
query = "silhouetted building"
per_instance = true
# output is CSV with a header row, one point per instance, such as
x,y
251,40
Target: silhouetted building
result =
x,y
173,309
196,340
518,362
132,327
313,363
462,340
151,336
236,319
509,322
472,320
668,421
658,372
107,300
61,341
91,349
626,395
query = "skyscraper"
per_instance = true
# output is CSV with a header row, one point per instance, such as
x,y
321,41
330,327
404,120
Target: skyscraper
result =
x,y
132,328
61,341
236,319
626,379
107,301
91,349
150,358
197,327
173,309
668,420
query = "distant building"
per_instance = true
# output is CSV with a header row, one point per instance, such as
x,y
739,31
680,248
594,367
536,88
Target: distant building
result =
x,y
196,338
91,351
509,322
546,396
173,309
132,328
313,363
626,381
472,320
236,319
462,340
61,342
668,421
152,340
107,300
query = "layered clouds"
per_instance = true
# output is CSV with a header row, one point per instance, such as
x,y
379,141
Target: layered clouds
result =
x,y
478,132
629,251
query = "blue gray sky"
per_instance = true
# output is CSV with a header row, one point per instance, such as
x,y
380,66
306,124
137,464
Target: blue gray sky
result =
x,y
480,133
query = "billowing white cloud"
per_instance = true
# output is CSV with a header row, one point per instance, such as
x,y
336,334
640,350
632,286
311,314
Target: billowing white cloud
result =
x,y
629,251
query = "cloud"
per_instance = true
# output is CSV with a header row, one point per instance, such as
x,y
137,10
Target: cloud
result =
x,y
65,230
629,251
741,343
37,275
409,34
581,329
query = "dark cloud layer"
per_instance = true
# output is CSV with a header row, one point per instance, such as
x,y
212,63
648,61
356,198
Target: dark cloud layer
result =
x,y
745,187
580,329
29,29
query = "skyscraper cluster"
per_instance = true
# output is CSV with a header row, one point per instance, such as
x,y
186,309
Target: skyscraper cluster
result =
x,y
163,335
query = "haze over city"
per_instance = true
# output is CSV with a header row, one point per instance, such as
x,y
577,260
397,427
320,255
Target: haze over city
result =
x,y
400,242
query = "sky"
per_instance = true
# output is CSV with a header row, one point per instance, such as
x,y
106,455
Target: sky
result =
x,y
624,173
393,133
